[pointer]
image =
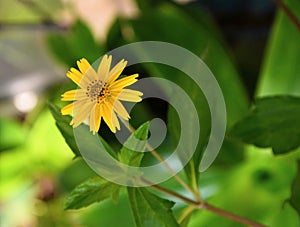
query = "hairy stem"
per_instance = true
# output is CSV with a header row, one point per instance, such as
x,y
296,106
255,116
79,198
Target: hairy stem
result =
x,y
205,206
229,215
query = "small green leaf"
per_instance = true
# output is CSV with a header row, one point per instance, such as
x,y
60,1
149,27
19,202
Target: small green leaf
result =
x,y
63,124
91,191
149,209
132,150
295,197
274,122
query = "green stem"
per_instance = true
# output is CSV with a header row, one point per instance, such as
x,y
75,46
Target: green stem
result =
x,y
186,212
171,193
194,182
160,159
179,180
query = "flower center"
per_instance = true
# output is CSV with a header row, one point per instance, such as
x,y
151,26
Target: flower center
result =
x,y
97,90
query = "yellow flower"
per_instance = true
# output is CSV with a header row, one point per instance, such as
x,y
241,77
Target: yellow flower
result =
x,y
99,94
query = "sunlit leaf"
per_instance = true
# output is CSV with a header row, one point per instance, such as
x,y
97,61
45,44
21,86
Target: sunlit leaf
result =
x,y
273,122
295,197
150,210
63,124
89,192
132,150
12,134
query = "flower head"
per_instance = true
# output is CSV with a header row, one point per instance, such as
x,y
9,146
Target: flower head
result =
x,y
99,94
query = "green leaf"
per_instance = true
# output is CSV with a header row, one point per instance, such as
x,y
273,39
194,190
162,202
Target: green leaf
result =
x,y
91,191
205,43
78,42
295,197
280,71
273,122
60,50
132,150
145,5
63,124
114,36
149,209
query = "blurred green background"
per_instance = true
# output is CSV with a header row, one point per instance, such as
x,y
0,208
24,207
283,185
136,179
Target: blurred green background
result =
x,y
252,48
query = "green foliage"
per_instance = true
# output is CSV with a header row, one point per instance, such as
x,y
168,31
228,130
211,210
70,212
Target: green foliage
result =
x,y
77,43
273,122
147,5
91,191
150,210
203,42
295,197
108,214
8,128
280,71
63,124
137,142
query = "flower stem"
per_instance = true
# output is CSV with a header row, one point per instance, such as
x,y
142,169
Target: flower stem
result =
x,y
205,206
160,159
229,215
199,203
171,193
179,180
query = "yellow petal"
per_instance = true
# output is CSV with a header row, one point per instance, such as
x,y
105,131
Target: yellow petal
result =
x,y
78,78
107,112
74,95
115,121
68,109
116,71
95,119
119,109
103,68
87,70
82,114
74,107
75,76
124,82
129,95
83,65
